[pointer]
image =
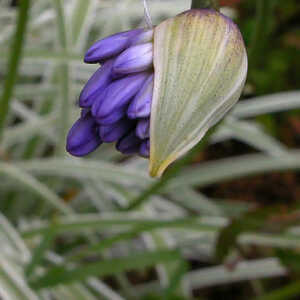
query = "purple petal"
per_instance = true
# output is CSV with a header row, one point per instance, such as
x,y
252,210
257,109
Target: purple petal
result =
x,y
143,129
129,144
145,149
100,79
110,46
106,48
86,148
135,59
120,92
140,106
81,132
113,117
97,101
83,137
131,34
114,132
145,36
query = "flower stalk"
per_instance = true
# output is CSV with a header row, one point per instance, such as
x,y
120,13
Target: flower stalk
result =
x,y
205,4
159,185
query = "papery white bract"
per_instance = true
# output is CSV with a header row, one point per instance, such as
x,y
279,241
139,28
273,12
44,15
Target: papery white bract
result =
x,y
200,67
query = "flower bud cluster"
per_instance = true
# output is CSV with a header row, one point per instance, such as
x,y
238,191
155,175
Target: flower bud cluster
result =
x,y
116,101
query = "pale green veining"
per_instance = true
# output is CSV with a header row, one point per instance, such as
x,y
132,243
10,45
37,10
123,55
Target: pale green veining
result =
x,y
200,68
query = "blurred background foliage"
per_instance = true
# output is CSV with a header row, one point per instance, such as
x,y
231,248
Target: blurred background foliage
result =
x,y
224,226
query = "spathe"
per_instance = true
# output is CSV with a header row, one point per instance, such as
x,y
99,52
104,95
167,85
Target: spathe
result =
x,y
200,65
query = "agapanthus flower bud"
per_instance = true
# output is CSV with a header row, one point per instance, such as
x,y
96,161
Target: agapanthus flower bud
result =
x,y
116,116
99,81
119,94
159,90
112,45
144,36
143,129
138,58
112,133
129,144
125,76
83,137
140,106
145,148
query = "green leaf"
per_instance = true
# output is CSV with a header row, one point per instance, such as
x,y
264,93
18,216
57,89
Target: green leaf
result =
x,y
173,172
80,19
12,283
255,221
39,252
290,291
289,258
234,167
64,108
175,280
227,239
97,222
26,130
267,104
64,274
60,22
251,134
34,185
45,55
14,245
14,61
86,168
74,291
64,80
246,270
194,201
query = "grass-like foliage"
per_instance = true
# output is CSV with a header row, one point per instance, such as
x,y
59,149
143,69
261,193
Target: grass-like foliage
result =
x,y
100,227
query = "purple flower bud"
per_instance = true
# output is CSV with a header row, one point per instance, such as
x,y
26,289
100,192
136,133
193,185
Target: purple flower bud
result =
x,y
83,137
106,48
98,82
135,59
113,117
145,36
100,79
119,93
129,144
97,101
110,46
114,132
145,149
131,34
143,129
86,148
140,106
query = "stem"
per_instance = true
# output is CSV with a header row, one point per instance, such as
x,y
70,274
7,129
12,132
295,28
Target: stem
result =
x,y
262,27
205,4
14,61
170,174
